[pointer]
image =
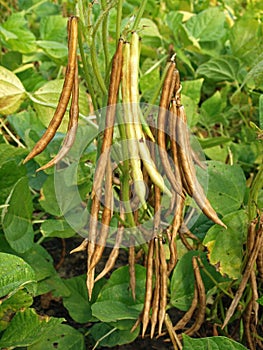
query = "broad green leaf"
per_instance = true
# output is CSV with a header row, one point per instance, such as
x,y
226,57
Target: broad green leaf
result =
x,y
9,152
225,245
77,303
12,92
61,336
254,77
192,89
111,336
211,109
24,327
20,300
40,260
211,343
6,34
122,307
226,188
55,50
182,282
16,217
112,311
10,173
56,228
48,199
149,82
24,41
149,28
246,39
15,273
53,28
174,20
220,69
208,25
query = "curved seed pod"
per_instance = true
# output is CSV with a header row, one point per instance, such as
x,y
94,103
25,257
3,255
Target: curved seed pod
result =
x,y
162,121
163,287
143,149
156,295
148,289
201,298
65,94
188,173
110,117
72,126
113,255
132,268
135,161
105,220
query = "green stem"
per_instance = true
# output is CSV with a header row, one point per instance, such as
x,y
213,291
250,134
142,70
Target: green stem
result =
x,y
86,72
256,186
94,58
139,15
105,35
118,21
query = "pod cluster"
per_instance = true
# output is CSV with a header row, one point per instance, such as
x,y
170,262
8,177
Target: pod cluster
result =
x,y
156,160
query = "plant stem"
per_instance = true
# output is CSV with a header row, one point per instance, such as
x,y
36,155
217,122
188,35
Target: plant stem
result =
x,y
118,21
13,137
86,72
105,35
139,15
94,57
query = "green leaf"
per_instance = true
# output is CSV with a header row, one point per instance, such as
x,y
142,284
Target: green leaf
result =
x,y
10,173
55,50
24,327
16,218
56,228
48,199
77,303
227,186
122,307
182,282
174,20
24,40
20,300
112,311
110,336
225,245
149,28
40,260
246,39
192,89
12,92
220,69
211,109
60,337
254,77
211,343
15,273
208,25
53,28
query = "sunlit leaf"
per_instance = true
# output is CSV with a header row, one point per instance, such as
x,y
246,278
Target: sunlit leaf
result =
x,y
211,343
225,246
12,91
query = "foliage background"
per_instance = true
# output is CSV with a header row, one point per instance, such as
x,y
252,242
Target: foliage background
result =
x,y
219,56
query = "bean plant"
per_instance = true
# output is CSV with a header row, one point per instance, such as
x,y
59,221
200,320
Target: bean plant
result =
x,y
132,127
